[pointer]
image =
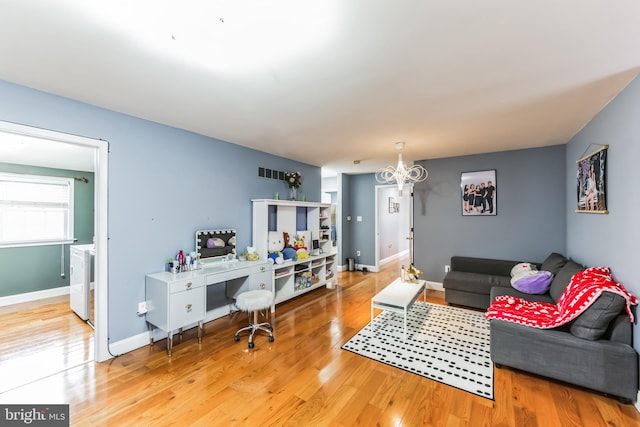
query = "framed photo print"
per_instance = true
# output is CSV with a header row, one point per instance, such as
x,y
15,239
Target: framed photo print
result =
x,y
591,182
478,191
394,207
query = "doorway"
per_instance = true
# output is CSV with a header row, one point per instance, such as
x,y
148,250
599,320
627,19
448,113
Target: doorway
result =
x,y
394,224
98,150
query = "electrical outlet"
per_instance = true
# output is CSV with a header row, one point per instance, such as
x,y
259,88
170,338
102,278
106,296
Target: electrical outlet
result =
x,y
357,253
447,268
142,307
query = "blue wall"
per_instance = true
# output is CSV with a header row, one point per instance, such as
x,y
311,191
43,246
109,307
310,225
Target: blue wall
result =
x,y
164,184
359,200
530,222
345,241
610,240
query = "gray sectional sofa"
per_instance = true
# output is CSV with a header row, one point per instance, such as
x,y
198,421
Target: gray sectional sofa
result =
x,y
470,280
594,351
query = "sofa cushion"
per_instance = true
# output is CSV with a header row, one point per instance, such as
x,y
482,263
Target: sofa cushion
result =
x,y
495,267
554,263
562,278
538,283
594,322
474,282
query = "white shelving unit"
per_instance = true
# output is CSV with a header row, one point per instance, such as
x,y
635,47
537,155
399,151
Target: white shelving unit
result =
x,y
293,278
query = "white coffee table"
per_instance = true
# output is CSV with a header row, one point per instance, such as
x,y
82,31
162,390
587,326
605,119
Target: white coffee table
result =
x,y
398,297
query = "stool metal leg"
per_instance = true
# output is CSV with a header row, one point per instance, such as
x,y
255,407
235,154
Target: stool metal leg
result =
x,y
253,327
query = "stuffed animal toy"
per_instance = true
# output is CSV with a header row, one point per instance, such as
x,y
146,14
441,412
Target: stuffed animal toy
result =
x,y
526,278
287,239
522,270
275,246
301,249
289,254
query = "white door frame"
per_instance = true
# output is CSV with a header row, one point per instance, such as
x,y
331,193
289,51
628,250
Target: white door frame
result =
x,y
409,188
101,339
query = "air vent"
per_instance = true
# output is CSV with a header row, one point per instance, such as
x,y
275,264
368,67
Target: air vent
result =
x,y
270,174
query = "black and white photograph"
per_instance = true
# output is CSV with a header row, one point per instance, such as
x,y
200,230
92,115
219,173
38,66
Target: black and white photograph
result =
x,y
479,193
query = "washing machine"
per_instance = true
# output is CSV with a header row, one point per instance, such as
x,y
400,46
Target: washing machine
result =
x,y
81,263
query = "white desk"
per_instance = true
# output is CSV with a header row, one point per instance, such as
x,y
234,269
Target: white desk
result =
x,y
178,300
398,297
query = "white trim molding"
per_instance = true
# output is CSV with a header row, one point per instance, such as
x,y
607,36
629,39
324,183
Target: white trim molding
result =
x,y
34,296
435,286
394,257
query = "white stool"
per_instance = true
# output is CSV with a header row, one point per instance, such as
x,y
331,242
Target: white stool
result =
x,y
254,301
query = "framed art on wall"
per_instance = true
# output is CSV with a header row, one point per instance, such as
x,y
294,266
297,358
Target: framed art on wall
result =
x,y
478,190
394,207
591,182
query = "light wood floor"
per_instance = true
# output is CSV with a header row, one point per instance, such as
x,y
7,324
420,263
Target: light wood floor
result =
x,y
302,379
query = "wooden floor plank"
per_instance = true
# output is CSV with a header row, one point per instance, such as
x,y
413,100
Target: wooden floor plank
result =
x,y
303,378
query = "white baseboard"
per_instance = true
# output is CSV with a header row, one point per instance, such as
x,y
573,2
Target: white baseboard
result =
x,y
358,267
436,286
129,344
34,296
142,339
370,268
394,257
637,403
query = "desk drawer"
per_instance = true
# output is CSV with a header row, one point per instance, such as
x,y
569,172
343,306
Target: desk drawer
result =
x,y
186,284
186,307
262,280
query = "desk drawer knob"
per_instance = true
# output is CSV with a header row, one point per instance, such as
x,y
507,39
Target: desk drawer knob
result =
x,y
188,307
262,285
188,285
262,269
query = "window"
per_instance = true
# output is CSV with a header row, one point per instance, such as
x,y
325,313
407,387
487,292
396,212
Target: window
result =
x,y
35,210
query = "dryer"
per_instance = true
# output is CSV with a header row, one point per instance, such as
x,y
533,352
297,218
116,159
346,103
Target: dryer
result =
x,y
81,261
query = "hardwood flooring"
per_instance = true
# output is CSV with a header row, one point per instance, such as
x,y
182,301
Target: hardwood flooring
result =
x,y
301,379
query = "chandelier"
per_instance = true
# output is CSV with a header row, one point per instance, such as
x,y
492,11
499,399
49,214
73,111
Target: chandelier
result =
x,y
401,174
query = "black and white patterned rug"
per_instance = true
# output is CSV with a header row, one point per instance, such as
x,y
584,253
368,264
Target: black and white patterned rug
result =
x,y
445,344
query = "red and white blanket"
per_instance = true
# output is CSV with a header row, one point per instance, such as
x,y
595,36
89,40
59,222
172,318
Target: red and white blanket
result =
x,y
582,291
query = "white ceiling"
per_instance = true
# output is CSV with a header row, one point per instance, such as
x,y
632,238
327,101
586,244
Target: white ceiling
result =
x,y
328,82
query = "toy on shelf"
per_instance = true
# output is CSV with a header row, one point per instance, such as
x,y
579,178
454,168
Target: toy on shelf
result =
x,y
305,280
288,253
275,247
301,249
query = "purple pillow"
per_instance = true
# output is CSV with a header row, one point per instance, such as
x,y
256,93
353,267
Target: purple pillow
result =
x,y
535,284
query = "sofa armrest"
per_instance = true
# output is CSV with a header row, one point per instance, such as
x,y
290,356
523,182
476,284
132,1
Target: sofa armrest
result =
x,y
620,330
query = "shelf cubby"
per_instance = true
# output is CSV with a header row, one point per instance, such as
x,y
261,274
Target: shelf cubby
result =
x,y
292,217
